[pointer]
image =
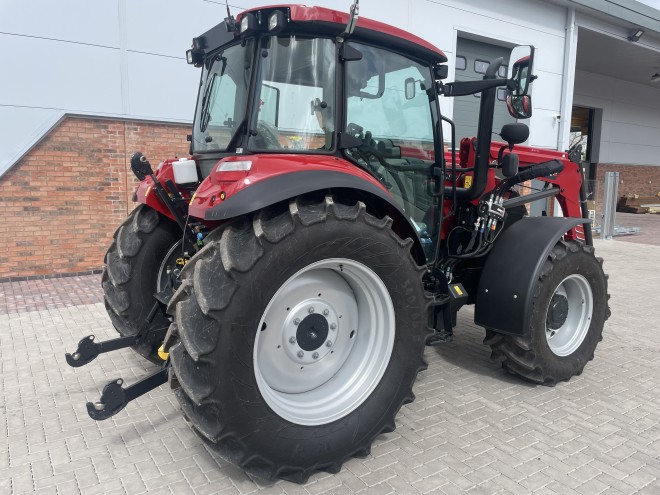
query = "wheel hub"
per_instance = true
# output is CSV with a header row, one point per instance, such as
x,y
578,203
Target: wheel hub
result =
x,y
312,332
557,312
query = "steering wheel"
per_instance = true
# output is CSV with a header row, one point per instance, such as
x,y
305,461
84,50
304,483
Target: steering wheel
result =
x,y
368,147
267,136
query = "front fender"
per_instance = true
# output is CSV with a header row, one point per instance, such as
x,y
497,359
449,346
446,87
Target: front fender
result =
x,y
503,300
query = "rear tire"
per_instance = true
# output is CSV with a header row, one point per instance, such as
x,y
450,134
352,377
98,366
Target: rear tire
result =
x,y
569,309
265,290
132,265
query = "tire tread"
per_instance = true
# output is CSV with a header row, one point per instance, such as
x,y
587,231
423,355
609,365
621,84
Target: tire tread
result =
x,y
517,354
217,272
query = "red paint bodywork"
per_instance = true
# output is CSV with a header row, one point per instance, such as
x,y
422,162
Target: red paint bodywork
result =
x,y
568,180
145,194
219,186
265,166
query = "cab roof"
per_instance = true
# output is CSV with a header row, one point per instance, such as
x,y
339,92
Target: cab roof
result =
x,y
324,21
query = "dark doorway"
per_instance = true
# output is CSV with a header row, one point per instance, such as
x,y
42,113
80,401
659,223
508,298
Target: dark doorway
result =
x,y
582,134
585,132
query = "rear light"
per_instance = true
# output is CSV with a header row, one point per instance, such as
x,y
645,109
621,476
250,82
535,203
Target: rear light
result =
x,y
238,166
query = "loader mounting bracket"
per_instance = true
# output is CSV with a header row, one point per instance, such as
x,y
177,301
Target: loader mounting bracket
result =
x,y
444,332
442,312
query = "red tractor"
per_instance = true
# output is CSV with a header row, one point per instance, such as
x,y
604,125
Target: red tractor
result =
x,y
289,273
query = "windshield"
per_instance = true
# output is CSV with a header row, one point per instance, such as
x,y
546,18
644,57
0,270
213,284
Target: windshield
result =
x,y
296,95
222,98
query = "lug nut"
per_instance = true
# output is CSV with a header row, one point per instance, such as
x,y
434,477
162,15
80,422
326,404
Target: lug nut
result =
x,y
300,354
292,340
296,321
315,355
326,312
328,344
310,310
333,326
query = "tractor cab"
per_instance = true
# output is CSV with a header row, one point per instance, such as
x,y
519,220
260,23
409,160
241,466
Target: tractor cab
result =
x,y
311,81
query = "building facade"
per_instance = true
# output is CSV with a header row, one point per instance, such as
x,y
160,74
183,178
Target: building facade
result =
x,y
85,84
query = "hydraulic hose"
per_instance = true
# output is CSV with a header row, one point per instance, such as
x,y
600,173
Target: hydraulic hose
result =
x,y
532,172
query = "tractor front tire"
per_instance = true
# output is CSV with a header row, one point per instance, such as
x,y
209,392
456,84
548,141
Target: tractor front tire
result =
x,y
569,309
300,333
132,265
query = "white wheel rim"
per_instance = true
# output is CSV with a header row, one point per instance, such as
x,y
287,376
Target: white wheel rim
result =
x,y
324,341
566,338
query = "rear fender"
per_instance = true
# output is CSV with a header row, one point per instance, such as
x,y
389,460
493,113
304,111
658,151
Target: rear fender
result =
x,y
283,187
503,300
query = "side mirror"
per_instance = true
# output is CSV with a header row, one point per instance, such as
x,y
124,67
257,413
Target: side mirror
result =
x,y
410,88
520,69
441,71
519,107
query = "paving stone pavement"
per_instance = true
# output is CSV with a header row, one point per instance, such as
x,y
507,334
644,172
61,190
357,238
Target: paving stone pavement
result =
x,y
473,428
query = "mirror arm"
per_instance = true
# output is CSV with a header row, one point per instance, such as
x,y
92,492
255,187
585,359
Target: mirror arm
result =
x,y
465,88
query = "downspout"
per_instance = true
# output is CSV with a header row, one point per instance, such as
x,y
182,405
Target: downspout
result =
x,y
570,52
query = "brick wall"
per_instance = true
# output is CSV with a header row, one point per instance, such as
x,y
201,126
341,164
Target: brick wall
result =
x,y
62,202
643,180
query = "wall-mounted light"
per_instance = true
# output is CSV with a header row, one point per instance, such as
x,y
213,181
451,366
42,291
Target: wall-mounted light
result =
x,y
636,35
655,77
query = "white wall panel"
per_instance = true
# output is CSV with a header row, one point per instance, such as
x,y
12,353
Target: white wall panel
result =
x,y
161,87
67,76
21,123
516,13
623,152
543,128
546,92
81,21
631,123
167,27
